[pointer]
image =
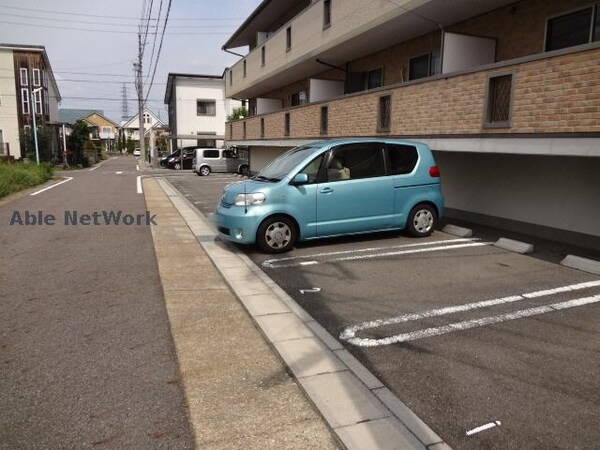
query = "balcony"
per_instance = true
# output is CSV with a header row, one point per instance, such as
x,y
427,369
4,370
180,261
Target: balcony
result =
x,y
354,32
546,95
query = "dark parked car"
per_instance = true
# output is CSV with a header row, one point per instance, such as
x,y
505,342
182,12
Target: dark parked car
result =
x,y
173,161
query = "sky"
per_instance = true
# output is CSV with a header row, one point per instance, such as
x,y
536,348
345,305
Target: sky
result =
x,y
92,45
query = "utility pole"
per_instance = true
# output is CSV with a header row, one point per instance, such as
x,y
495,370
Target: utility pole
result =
x,y
140,92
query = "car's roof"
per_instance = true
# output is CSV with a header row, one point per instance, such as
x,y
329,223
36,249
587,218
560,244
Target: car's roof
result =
x,y
342,141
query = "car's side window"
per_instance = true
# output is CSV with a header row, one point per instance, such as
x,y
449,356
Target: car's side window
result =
x,y
211,153
354,161
403,158
312,169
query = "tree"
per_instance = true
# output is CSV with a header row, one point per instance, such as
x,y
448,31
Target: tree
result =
x,y
130,144
44,138
80,134
238,113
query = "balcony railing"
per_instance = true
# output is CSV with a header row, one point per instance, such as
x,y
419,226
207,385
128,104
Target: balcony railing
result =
x,y
554,92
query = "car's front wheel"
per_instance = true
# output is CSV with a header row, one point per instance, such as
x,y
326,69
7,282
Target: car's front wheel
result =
x,y
422,219
177,166
276,234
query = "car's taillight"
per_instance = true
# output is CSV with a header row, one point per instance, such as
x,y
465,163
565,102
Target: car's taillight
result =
x,y
434,172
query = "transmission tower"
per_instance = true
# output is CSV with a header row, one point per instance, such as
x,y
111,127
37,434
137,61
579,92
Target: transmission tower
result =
x,y
124,105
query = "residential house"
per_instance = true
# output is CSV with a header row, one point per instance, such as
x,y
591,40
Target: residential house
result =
x,y
27,84
104,130
131,128
198,109
505,92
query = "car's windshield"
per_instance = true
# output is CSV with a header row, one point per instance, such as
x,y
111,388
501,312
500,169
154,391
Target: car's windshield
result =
x,y
286,162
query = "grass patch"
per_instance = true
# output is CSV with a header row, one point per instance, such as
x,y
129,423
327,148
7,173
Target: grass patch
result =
x,y
17,176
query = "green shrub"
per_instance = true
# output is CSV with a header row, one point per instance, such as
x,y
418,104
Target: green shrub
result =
x,y
18,176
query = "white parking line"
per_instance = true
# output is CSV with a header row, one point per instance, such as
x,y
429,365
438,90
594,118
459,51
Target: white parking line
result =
x,y
138,184
53,186
274,263
349,334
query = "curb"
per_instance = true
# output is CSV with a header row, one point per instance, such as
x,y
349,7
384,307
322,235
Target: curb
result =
x,y
458,231
359,409
514,246
583,264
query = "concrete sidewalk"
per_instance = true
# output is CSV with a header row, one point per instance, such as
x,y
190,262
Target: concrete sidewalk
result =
x,y
204,312
238,392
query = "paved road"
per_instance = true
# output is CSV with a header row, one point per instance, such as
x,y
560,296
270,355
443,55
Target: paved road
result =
x,y
537,376
87,359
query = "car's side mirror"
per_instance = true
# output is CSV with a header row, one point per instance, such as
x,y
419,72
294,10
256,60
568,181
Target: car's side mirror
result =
x,y
299,179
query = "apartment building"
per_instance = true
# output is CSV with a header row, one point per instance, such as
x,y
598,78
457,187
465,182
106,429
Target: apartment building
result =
x,y
27,84
506,93
198,109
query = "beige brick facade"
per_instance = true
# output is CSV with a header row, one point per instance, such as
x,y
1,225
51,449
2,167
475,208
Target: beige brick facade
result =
x,y
558,94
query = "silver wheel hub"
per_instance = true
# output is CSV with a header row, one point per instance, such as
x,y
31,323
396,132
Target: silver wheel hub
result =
x,y
278,235
423,221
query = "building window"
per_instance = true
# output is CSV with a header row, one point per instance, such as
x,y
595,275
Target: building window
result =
x,y
498,101
38,102
230,77
286,126
324,119
47,104
262,127
576,28
36,77
206,107
326,13
288,39
25,101
375,78
106,129
385,113
420,67
244,129
244,65
299,98
24,76
263,56
230,130
146,118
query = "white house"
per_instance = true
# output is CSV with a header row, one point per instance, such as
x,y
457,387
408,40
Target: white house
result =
x,y
198,107
131,128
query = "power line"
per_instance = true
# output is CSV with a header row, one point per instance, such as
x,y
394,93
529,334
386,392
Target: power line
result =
x,y
160,47
112,31
62,13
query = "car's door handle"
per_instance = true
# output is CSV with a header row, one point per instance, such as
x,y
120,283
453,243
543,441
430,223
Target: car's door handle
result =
x,y
326,190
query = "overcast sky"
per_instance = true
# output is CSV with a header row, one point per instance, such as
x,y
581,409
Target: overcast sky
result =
x,y
91,63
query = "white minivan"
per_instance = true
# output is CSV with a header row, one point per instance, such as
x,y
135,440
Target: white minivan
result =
x,y
207,160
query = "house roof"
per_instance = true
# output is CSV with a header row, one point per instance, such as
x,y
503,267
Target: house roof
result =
x,y
173,76
99,113
133,122
37,48
70,115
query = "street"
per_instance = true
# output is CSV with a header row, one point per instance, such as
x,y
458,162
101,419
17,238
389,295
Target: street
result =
x,y
460,330
87,355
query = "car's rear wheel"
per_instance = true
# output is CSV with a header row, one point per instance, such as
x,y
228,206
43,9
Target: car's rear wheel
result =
x,y
177,166
204,171
276,234
422,219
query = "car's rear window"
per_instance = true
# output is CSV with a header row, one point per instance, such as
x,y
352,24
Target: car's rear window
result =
x,y
403,158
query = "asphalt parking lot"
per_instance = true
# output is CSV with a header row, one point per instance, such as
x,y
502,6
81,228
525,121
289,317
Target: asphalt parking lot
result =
x,y
465,333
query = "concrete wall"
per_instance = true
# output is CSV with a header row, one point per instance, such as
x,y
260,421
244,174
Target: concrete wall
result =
x,y
8,109
552,191
260,157
187,92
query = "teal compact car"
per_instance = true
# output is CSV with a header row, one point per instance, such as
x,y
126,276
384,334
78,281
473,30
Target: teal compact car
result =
x,y
334,188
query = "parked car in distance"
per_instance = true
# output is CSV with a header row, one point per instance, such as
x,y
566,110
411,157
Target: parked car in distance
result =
x,y
136,152
209,160
333,188
174,160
